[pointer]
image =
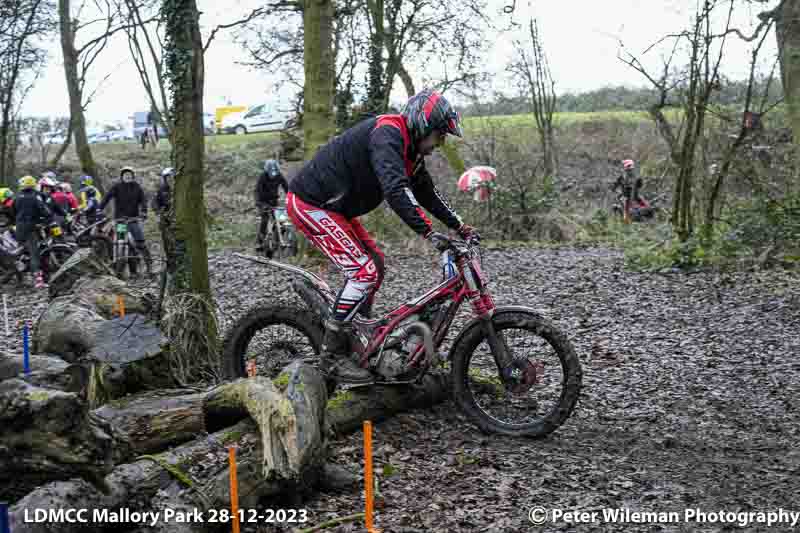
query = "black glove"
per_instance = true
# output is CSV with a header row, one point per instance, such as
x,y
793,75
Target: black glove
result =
x,y
469,234
440,241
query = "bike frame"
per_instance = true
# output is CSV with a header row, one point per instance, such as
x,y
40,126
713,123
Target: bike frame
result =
x,y
128,242
469,283
274,225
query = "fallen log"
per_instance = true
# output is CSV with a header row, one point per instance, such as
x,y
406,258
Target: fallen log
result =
x,y
129,485
45,435
288,457
347,409
83,263
111,358
282,454
65,328
153,421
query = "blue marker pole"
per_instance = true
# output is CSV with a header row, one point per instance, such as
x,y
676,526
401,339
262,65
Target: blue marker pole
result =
x,y
5,527
26,357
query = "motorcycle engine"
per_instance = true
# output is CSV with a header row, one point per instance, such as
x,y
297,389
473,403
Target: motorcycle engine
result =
x,y
391,364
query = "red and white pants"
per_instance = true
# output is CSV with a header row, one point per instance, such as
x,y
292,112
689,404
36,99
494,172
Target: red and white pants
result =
x,y
345,242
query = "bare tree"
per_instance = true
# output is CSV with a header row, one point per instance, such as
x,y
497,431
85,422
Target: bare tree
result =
x,y
446,33
693,88
145,32
78,59
22,22
533,72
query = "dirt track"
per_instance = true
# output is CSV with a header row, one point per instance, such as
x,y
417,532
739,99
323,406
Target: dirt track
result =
x,y
690,400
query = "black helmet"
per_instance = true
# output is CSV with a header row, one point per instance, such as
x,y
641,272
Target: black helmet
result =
x,y
429,111
272,168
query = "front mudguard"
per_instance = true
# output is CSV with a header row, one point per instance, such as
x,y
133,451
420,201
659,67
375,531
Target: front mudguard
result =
x,y
477,322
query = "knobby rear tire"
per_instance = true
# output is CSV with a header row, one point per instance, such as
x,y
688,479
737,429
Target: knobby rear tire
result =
x,y
461,354
239,337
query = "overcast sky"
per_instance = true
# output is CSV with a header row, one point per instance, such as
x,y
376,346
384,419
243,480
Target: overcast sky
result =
x,y
580,36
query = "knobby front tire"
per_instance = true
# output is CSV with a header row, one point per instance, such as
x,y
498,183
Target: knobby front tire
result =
x,y
477,387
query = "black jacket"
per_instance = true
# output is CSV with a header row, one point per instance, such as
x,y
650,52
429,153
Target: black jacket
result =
x,y
31,208
370,162
266,192
162,199
129,199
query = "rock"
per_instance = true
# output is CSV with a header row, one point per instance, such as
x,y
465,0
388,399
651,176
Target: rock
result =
x,y
66,329
11,366
336,478
83,263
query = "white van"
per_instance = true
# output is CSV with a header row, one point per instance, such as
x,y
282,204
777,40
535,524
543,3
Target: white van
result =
x,y
261,117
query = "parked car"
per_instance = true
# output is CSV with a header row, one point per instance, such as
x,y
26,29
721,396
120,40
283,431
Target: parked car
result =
x,y
262,117
140,123
118,135
54,137
101,137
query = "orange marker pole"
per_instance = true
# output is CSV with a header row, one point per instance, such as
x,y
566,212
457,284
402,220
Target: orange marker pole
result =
x,y
368,484
234,489
121,304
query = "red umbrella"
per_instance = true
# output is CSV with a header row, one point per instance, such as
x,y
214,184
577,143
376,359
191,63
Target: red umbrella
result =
x,y
477,180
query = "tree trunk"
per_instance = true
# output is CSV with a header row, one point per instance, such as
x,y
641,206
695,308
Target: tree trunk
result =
x,y
408,82
63,148
74,89
788,35
184,225
375,97
318,117
12,70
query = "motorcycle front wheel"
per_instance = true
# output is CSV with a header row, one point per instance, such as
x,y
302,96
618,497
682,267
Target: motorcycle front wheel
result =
x,y
544,386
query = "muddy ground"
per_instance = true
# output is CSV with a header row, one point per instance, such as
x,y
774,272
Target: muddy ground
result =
x,y
690,399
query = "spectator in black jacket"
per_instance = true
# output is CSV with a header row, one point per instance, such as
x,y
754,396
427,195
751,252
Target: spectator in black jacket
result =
x,y
130,202
266,195
161,202
379,158
31,210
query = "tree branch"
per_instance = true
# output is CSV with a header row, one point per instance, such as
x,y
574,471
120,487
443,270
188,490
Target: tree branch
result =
x,y
254,14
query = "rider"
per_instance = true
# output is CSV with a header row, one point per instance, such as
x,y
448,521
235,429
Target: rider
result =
x,y
47,189
87,184
378,158
92,209
6,208
626,180
162,200
266,195
130,202
31,210
66,188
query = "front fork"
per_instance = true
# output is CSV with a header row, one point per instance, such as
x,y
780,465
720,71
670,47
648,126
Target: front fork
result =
x,y
483,306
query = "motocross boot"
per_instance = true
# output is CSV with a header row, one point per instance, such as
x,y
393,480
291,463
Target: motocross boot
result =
x,y
337,358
